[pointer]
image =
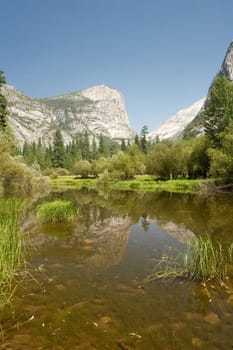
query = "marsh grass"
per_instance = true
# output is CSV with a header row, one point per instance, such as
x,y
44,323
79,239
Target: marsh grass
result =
x,y
10,246
206,259
56,211
203,260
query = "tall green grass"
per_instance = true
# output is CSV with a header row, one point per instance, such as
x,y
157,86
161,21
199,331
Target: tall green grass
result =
x,y
206,259
56,211
10,246
203,260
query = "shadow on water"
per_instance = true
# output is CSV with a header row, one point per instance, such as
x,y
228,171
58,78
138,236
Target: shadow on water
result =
x,y
88,292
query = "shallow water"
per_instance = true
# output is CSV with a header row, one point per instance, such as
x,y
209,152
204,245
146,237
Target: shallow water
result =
x,y
87,290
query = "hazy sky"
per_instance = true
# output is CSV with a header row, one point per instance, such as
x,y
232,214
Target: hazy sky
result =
x,y
161,54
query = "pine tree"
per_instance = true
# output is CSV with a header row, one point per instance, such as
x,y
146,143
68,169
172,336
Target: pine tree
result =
x,y
123,145
48,157
136,140
3,104
102,146
143,140
85,146
94,148
219,112
28,153
40,154
58,152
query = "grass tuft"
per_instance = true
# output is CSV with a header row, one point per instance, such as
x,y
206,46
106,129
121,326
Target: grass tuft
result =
x,y
203,260
56,211
206,259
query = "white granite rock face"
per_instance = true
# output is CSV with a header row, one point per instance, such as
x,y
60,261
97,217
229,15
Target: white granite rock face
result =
x,y
227,65
173,127
96,110
30,120
226,70
106,114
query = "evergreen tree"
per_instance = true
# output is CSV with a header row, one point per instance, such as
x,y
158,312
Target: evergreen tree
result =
x,y
219,111
94,148
85,147
58,153
143,140
123,145
3,104
40,154
102,146
221,159
136,140
28,153
48,157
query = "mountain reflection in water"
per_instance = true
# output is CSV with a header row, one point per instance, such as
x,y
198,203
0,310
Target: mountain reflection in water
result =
x,y
89,293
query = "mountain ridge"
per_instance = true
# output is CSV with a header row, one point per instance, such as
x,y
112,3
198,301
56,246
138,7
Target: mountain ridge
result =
x,y
173,127
97,110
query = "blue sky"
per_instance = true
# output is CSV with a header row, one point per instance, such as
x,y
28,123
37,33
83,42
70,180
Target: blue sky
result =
x,y
161,54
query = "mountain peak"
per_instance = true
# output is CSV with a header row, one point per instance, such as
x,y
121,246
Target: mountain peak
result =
x,y
173,127
227,65
102,92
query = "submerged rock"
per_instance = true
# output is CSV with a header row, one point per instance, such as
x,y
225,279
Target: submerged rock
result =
x,y
105,320
212,318
196,342
123,346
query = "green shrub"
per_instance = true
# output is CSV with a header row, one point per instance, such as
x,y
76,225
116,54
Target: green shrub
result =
x,y
62,172
15,176
56,211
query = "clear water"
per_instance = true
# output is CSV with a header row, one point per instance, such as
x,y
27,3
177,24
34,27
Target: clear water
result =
x,y
87,291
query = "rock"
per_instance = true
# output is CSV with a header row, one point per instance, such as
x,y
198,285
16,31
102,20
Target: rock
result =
x,y
88,248
227,65
174,126
211,318
99,109
196,342
88,241
105,320
60,287
230,300
122,345
78,306
98,301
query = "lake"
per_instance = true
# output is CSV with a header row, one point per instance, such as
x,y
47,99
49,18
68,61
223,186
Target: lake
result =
x,y
86,288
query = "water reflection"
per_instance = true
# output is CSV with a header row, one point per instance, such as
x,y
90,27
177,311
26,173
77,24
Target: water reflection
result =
x,y
109,238
89,294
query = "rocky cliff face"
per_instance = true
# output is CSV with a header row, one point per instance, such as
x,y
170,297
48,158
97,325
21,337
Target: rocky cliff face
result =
x,y
196,125
96,110
227,65
174,126
189,120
